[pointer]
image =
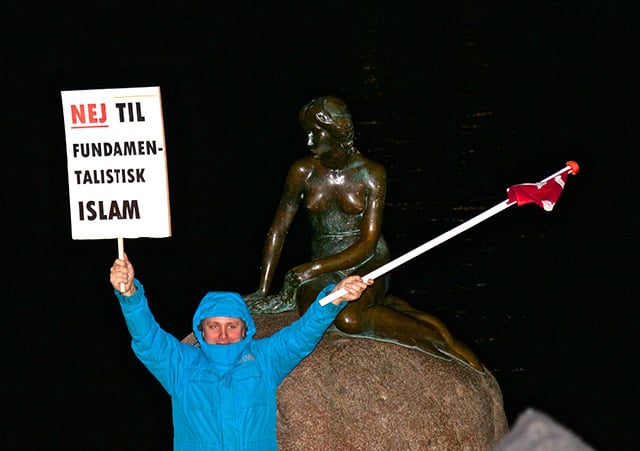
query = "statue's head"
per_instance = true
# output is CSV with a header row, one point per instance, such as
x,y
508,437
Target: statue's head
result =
x,y
330,113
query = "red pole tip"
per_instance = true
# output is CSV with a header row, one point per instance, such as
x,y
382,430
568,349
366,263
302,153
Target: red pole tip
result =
x,y
574,167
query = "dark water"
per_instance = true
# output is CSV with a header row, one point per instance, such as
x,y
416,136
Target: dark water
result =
x,y
458,103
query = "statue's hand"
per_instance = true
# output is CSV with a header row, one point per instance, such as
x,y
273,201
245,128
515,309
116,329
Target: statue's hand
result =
x,y
259,303
255,296
301,273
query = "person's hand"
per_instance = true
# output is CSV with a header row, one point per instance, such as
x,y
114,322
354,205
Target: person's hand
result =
x,y
121,276
354,286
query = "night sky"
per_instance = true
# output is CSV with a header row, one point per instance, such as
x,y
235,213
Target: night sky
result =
x,y
458,103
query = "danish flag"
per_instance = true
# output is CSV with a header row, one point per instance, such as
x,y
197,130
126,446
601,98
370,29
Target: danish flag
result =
x,y
544,194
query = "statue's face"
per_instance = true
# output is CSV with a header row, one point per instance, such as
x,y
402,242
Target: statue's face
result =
x,y
320,142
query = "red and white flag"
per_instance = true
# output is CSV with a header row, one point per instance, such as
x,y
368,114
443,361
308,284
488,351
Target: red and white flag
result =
x,y
545,194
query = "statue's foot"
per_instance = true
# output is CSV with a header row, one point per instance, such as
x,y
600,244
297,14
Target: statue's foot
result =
x,y
465,357
432,350
271,304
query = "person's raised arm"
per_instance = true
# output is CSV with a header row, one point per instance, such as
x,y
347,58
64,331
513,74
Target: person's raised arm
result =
x,y
122,273
298,340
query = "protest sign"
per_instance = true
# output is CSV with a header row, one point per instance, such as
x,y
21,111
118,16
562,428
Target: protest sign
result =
x,y
117,166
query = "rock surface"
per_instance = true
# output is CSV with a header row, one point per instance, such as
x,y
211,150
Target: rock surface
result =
x,y
355,393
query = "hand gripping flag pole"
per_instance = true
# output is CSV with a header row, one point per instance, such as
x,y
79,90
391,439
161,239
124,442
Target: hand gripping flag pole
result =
x,y
545,193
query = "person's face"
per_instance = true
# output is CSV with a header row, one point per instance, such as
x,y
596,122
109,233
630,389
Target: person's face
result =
x,y
222,330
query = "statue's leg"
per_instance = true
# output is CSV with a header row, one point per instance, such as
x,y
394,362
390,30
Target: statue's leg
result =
x,y
364,317
394,320
451,346
308,290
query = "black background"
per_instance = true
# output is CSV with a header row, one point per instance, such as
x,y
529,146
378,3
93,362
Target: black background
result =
x,y
458,102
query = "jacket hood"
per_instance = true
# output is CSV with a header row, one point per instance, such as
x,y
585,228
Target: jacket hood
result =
x,y
223,303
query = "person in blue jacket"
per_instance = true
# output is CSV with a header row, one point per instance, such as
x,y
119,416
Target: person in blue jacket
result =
x,y
223,391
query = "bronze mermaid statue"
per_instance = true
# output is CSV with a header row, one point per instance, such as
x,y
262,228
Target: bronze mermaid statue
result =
x,y
343,193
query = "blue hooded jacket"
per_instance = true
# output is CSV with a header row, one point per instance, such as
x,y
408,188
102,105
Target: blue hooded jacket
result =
x,y
223,396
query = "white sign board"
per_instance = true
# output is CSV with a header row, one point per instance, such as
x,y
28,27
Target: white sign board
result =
x,y
117,166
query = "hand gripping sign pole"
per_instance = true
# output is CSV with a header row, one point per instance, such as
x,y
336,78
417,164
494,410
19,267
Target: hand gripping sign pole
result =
x,y
544,193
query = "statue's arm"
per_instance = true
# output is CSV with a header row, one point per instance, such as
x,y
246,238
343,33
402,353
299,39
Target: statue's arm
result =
x,y
285,213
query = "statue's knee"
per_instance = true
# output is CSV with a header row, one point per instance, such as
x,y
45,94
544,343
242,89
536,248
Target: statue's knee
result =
x,y
349,322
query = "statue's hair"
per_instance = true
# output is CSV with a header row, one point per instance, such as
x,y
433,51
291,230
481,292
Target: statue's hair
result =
x,y
332,114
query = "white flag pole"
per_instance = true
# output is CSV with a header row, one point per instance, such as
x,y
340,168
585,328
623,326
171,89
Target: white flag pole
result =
x,y
121,257
572,167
